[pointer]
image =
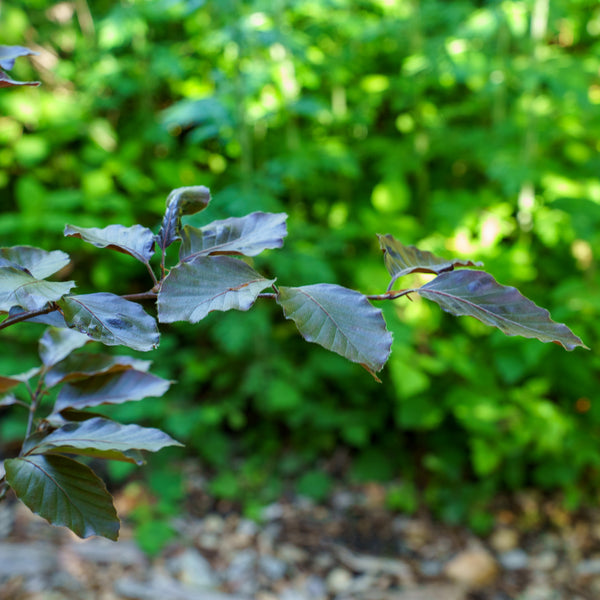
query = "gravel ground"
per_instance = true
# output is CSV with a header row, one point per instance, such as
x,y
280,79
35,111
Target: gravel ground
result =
x,y
353,548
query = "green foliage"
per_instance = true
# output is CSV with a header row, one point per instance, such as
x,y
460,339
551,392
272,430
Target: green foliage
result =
x,y
449,124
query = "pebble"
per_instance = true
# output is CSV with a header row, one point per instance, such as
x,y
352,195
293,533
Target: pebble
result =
x,y
589,567
473,568
338,580
213,523
272,512
241,572
316,588
292,554
431,568
545,561
27,559
192,569
103,551
435,591
273,568
504,539
514,560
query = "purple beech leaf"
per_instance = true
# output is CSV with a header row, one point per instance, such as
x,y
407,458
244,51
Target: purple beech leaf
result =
x,y
110,388
248,236
102,435
64,492
54,318
81,366
477,294
181,201
112,320
18,288
137,241
401,260
193,289
38,263
6,81
341,320
8,55
57,343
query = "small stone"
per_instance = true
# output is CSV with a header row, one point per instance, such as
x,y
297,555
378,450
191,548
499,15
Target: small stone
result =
x,y
431,568
272,512
213,524
473,568
192,569
435,591
291,554
338,580
514,560
247,527
273,568
589,567
343,500
315,587
504,539
546,561
103,551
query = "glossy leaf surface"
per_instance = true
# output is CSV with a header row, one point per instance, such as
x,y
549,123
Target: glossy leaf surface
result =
x,y
401,260
181,201
112,320
80,366
57,343
64,492
248,236
39,263
103,435
477,294
340,320
111,388
19,288
137,241
195,288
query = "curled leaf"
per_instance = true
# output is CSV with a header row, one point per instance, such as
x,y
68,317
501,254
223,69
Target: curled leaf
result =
x,y
137,241
401,260
181,201
248,236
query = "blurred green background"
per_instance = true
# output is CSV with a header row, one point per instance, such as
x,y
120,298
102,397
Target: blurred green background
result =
x,y
469,128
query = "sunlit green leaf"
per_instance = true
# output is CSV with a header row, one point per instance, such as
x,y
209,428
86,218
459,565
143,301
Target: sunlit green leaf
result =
x,y
195,288
111,388
57,343
401,260
340,320
39,263
18,288
477,294
181,201
64,492
137,241
248,235
112,320
83,365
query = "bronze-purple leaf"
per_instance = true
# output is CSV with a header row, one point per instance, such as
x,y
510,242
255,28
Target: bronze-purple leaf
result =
x,y
248,236
478,294
341,320
402,260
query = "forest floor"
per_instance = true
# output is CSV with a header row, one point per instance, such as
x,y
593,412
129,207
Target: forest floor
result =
x,y
352,548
